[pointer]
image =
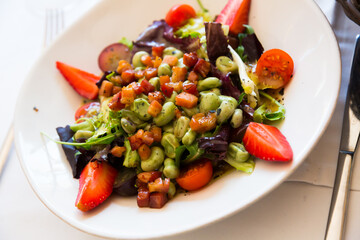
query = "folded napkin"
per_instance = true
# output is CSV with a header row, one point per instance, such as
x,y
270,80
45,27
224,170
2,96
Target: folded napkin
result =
x,y
320,166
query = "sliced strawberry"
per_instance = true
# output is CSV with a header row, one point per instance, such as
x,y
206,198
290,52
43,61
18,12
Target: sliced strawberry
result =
x,y
82,82
95,184
235,14
267,143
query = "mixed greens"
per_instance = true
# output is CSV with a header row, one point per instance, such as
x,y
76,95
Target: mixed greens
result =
x,y
178,106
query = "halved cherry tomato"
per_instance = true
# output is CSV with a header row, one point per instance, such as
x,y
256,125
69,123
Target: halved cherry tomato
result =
x,y
196,175
84,109
179,14
274,69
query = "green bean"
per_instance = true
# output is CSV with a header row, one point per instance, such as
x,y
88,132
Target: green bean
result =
x,y
173,52
213,90
131,116
181,126
226,65
170,143
166,115
172,191
132,158
164,69
155,160
140,108
85,125
237,152
128,126
83,134
170,169
208,83
155,81
189,137
172,98
191,111
136,59
209,102
237,118
226,109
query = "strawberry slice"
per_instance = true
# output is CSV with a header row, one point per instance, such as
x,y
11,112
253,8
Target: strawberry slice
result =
x,y
82,82
235,14
267,143
95,184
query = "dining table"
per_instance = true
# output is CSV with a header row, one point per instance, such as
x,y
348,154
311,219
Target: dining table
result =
x,y
297,209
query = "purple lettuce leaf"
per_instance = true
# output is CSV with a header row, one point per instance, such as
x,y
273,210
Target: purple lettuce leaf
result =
x,y
76,158
159,33
227,87
215,147
216,41
252,47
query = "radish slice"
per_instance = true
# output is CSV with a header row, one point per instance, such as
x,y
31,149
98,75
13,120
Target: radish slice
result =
x,y
111,55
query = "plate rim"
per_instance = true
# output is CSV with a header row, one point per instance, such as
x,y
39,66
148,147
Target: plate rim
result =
x,y
65,219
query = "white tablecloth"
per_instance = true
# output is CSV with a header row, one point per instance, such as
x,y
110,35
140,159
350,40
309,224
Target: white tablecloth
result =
x,y
297,209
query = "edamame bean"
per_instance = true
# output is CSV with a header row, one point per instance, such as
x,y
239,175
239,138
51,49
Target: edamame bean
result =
x,y
213,90
237,152
172,98
226,65
155,81
139,69
189,137
170,169
226,109
132,158
170,143
172,191
85,134
128,126
169,128
86,126
191,111
180,63
136,60
209,102
155,160
143,96
140,108
181,126
164,69
237,118
208,83
173,52
131,116
166,115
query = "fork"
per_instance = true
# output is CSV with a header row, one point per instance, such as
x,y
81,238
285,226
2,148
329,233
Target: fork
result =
x,y
54,24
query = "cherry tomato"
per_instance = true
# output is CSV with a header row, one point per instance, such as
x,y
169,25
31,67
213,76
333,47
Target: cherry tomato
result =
x,y
274,68
196,175
179,14
82,111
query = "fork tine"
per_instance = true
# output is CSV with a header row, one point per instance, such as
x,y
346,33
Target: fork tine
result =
x,y
54,24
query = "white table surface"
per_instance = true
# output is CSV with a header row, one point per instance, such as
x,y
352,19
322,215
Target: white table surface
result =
x,y
297,209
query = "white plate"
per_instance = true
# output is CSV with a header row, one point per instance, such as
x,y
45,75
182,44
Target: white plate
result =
x,y
298,27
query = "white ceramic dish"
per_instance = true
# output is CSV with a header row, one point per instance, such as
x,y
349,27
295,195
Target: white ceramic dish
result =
x,y
298,27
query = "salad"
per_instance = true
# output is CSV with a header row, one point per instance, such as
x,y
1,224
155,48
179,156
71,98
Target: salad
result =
x,y
191,98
